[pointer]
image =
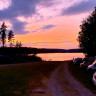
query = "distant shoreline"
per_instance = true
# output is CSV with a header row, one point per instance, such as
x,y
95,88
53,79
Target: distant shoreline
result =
x,y
26,50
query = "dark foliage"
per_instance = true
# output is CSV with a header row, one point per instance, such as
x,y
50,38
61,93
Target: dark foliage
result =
x,y
3,34
87,35
18,44
12,59
11,38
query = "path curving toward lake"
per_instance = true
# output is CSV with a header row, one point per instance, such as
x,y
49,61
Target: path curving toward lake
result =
x,y
58,83
62,83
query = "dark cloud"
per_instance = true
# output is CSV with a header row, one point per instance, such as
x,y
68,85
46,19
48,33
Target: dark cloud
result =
x,y
47,27
44,28
24,8
19,8
18,28
80,7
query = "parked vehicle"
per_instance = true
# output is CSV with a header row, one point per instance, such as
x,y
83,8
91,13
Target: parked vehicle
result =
x,y
87,61
94,79
92,66
77,61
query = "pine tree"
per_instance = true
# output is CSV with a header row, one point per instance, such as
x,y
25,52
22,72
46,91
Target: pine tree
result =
x,y
87,35
3,33
11,38
18,44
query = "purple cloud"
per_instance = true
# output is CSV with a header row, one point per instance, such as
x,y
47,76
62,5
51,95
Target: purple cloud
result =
x,y
24,8
19,28
45,27
80,7
19,8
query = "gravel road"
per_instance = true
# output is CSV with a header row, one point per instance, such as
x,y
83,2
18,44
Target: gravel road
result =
x,y
62,83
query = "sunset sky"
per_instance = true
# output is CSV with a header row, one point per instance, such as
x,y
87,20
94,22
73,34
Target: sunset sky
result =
x,y
45,23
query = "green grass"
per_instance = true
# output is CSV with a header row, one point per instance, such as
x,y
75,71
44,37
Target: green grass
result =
x,y
83,76
14,80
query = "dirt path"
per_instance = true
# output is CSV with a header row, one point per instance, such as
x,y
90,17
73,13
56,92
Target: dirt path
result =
x,y
62,83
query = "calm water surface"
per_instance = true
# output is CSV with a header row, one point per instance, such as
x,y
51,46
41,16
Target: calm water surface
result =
x,y
59,56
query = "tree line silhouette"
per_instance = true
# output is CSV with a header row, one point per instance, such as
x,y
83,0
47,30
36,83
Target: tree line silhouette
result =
x,y
11,39
87,35
14,53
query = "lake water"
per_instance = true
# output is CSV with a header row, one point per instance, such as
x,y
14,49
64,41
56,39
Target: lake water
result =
x,y
60,56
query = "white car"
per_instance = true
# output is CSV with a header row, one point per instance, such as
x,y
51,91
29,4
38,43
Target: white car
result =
x,y
94,79
92,66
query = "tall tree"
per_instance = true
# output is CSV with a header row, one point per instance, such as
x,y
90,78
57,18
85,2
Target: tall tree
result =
x,y
3,34
87,35
18,44
11,38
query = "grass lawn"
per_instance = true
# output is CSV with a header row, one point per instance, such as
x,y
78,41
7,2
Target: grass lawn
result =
x,y
83,76
20,79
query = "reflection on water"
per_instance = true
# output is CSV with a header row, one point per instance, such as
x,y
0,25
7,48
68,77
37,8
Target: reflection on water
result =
x,y
59,56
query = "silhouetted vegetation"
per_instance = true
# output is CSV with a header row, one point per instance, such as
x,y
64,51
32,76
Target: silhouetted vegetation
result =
x,y
17,55
12,59
11,38
3,34
87,35
14,53
18,44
